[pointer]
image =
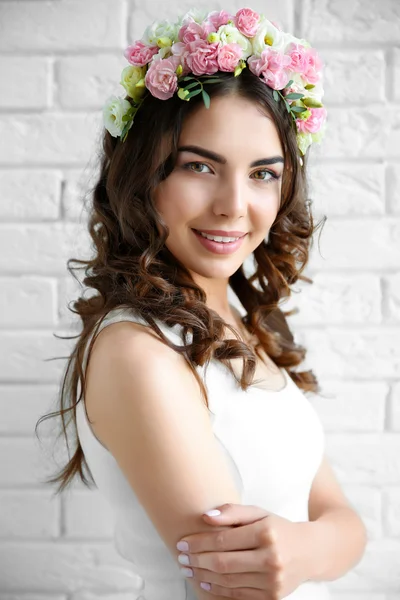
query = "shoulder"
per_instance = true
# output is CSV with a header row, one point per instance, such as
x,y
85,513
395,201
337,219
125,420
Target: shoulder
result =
x,y
129,360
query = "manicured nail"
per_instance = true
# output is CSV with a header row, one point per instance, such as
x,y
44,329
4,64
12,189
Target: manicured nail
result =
x,y
182,546
186,572
213,513
184,559
205,586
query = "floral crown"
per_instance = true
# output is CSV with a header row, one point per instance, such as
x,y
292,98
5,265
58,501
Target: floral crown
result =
x,y
171,57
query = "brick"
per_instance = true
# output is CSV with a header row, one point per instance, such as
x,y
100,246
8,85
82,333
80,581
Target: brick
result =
x,y
30,356
31,462
352,407
391,503
393,189
392,291
66,567
48,138
40,249
69,291
25,82
367,502
33,597
337,299
87,81
30,195
22,405
367,21
39,293
28,514
365,244
77,197
394,407
73,25
377,570
364,132
356,189
88,515
362,71
371,459
362,354
396,73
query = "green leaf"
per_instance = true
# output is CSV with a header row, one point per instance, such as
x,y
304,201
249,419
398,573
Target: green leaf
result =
x,y
211,80
193,93
294,96
206,99
288,84
310,102
298,109
309,86
288,108
186,78
275,95
191,85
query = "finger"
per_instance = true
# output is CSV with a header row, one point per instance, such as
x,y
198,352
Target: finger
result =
x,y
246,537
241,592
236,514
251,561
258,581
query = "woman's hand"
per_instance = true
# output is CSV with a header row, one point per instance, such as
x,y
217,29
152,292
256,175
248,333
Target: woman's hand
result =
x,y
259,558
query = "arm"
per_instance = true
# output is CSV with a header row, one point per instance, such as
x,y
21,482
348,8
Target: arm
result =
x,y
146,403
335,538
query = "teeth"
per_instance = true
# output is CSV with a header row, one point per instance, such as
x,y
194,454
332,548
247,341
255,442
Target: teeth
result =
x,y
218,238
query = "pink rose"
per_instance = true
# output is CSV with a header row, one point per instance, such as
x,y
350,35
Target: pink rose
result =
x,y
139,54
271,66
202,58
298,57
181,51
246,20
161,78
219,18
314,121
313,66
193,31
229,56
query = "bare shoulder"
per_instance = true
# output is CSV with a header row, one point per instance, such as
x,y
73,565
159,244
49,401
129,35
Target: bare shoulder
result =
x,y
132,354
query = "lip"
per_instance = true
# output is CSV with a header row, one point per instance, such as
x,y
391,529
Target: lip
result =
x,y
223,233
219,247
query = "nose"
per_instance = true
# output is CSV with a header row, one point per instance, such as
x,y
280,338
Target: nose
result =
x,y
230,199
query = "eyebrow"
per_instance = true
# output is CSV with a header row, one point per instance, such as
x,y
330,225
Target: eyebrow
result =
x,y
222,160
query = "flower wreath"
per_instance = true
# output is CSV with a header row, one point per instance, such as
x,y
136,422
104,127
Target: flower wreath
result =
x,y
171,57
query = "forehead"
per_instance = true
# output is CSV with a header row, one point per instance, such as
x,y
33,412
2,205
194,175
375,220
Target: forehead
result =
x,y
232,126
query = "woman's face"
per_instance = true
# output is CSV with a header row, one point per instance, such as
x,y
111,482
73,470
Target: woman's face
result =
x,y
227,182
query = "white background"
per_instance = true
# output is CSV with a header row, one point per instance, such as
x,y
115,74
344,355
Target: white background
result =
x,y
59,61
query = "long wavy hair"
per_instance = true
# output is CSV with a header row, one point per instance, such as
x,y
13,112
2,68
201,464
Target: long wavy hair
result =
x,y
133,268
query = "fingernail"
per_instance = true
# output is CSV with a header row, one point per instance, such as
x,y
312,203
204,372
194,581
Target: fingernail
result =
x,y
186,572
213,513
205,586
184,559
182,546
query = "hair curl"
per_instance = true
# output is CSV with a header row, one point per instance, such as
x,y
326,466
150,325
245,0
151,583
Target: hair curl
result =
x,y
132,266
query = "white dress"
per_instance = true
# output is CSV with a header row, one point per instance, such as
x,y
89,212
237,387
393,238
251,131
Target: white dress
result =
x,y
273,441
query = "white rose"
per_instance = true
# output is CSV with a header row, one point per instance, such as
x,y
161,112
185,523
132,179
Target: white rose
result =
x,y
160,29
113,111
194,14
268,36
292,39
229,34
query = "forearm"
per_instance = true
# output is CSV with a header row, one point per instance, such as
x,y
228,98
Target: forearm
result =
x,y
333,544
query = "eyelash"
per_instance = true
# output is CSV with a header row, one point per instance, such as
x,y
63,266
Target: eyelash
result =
x,y
274,177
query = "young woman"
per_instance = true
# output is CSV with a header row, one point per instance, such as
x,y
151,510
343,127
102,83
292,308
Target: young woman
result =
x,y
189,403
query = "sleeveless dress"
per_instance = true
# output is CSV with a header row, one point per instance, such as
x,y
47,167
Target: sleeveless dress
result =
x,y
273,442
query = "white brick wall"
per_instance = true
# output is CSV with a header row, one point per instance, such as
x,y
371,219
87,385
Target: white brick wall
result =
x,y
59,60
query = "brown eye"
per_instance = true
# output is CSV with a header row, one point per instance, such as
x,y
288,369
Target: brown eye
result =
x,y
188,166
272,176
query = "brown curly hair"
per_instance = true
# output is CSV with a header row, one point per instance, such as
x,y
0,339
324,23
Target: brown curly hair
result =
x,y
133,268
